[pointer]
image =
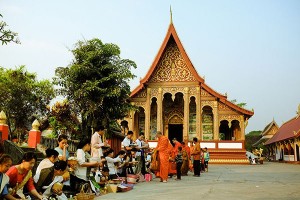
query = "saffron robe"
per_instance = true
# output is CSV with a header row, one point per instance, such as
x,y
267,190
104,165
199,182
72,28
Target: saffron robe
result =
x,y
163,151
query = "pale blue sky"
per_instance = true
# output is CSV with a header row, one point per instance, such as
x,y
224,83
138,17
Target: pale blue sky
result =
x,y
249,49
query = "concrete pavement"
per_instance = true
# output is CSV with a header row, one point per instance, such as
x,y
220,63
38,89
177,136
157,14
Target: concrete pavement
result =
x,y
268,181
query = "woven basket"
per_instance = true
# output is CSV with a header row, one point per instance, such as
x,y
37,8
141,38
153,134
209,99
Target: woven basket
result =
x,y
85,196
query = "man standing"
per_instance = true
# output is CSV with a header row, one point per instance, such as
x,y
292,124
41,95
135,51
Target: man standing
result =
x,y
126,143
163,152
196,155
96,142
140,155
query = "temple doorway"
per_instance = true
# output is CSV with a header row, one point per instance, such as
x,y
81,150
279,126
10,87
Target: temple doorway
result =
x,y
175,131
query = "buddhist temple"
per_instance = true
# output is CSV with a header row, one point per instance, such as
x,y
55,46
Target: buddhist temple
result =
x,y
174,98
284,145
267,133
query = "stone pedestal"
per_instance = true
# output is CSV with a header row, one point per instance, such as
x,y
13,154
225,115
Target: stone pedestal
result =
x,y
34,138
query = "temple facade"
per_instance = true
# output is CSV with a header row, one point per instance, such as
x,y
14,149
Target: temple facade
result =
x,y
285,143
174,98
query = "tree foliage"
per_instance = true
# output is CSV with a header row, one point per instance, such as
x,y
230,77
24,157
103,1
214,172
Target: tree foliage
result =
x,y
251,138
242,104
96,83
6,35
62,120
23,98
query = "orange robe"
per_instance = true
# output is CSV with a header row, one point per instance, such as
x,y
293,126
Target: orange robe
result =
x,y
162,147
172,164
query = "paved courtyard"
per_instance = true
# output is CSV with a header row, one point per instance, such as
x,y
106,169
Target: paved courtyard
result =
x,y
267,181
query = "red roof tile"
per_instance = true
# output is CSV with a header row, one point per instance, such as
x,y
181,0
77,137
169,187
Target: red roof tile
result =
x,y
289,129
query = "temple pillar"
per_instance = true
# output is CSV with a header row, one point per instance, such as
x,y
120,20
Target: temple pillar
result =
x,y
34,137
159,110
3,126
216,120
198,114
133,123
186,112
147,114
243,128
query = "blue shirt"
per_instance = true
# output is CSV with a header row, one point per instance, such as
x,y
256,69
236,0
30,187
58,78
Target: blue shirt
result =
x,y
5,188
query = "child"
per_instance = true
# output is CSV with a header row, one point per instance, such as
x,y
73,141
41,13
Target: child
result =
x,y
5,164
178,160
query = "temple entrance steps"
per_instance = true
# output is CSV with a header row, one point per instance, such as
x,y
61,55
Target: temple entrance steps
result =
x,y
228,156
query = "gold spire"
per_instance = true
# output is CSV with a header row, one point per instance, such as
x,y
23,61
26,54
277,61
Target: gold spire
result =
x,y
171,17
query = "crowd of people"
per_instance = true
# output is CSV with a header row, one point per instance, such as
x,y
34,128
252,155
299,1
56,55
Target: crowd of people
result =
x,y
95,164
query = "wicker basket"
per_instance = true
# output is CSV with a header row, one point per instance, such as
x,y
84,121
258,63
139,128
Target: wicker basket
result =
x,y
85,196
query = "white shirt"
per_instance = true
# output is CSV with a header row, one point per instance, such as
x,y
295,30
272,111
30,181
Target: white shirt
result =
x,y
45,163
96,143
140,144
111,164
126,142
80,172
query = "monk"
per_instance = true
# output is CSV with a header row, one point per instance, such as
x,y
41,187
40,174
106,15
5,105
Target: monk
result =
x,y
176,145
162,148
186,159
172,163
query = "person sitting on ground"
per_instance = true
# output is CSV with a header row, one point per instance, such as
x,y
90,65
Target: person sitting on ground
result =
x,y
49,176
104,176
62,148
51,157
5,164
83,147
121,166
21,175
80,174
111,163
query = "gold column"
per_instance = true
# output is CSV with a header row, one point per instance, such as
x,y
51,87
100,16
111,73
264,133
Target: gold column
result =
x,y
243,129
159,110
216,120
132,123
198,114
186,112
147,114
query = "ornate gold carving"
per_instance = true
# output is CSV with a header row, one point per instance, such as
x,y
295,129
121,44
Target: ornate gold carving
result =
x,y
176,120
204,93
140,104
154,92
207,103
173,113
193,91
229,117
224,107
141,94
172,66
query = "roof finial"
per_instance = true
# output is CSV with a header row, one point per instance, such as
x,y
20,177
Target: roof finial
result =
x,y
171,22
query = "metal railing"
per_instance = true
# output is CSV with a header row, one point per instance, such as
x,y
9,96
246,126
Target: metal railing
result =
x,y
52,143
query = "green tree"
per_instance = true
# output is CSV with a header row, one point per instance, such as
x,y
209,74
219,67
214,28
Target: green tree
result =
x,y
251,138
7,35
23,98
62,120
242,104
96,83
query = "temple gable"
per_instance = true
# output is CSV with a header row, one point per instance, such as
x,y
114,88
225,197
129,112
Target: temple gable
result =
x,y
172,67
